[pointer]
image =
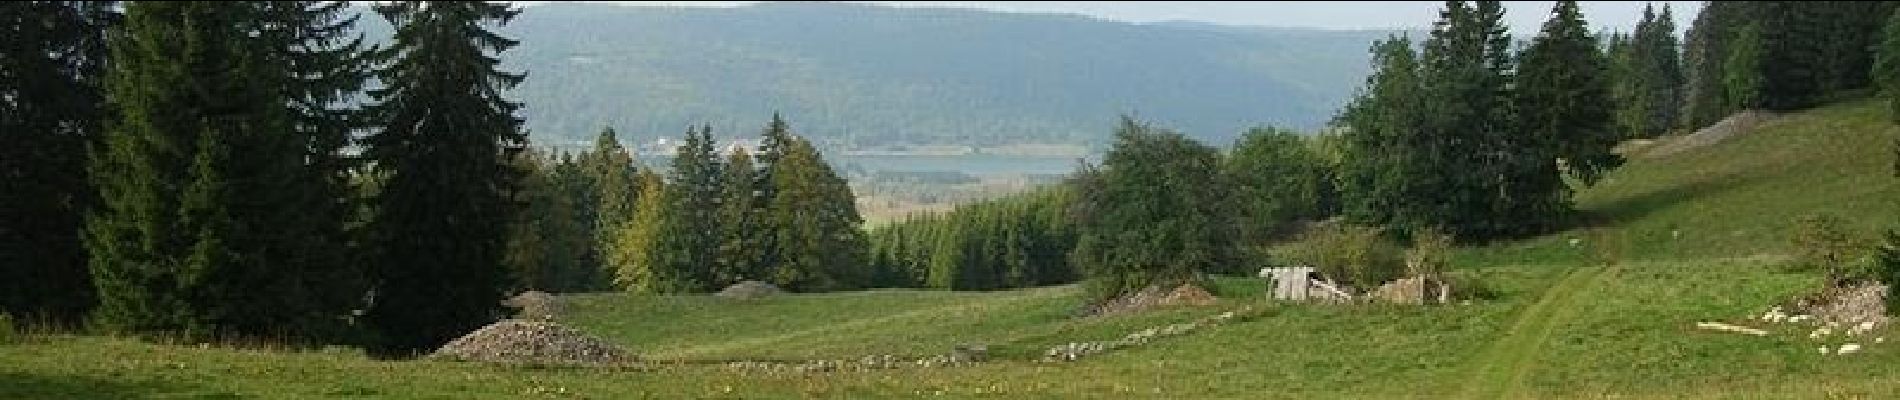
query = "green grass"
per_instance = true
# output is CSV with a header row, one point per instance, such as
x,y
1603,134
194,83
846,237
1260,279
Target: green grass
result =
x,y
907,323
1610,317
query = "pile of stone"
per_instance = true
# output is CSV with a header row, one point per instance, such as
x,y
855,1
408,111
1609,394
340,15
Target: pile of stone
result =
x,y
1851,305
534,305
1186,294
1735,124
1842,317
1067,352
749,290
517,341
962,355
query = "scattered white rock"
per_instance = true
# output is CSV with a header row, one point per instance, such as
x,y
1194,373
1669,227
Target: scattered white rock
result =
x,y
1880,340
1824,350
1820,333
1731,328
1849,348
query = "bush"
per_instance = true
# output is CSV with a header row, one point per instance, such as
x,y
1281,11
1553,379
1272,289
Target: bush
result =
x,y
1886,268
1354,255
1821,242
7,331
1467,285
1430,254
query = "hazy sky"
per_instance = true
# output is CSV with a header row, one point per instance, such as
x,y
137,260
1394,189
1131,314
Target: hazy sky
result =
x,y
1524,16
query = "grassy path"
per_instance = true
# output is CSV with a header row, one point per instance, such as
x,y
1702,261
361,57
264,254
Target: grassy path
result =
x,y
1501,370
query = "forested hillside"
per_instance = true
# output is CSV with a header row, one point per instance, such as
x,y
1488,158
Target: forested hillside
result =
x,y
866,76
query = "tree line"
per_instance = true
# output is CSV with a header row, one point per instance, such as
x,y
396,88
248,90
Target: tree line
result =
x,y
211,171
1013,242
1160,207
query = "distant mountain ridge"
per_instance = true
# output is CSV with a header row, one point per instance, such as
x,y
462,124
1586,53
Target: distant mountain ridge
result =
x,y
859,76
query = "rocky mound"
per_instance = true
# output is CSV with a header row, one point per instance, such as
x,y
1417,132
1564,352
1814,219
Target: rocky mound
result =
x,y
1186,294
749,290
1847,305
1738,123
534,305
532,342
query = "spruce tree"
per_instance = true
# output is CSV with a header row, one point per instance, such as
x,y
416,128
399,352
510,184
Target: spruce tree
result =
x,y
1467,72
1886,66
1742,80
738,222
1563,92
1384,141
1658,70
579,266
444,149
605,190
1438,141
222,208
1789,62
815,242
326,66
549,245
54,56
1703,56
689,235
530,243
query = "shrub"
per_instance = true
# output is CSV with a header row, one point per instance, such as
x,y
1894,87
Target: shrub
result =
x,y
1467,285
1430,254
7,331
1354,255
1886,268
1821,242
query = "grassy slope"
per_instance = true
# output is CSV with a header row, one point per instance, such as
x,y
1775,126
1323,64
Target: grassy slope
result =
x,y
1618,329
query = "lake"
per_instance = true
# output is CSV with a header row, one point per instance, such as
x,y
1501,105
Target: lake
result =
x,y
973,164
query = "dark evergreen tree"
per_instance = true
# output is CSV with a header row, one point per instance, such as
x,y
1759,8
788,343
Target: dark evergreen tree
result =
x,y
1742,70
326,65
1656,74
738,222
815,241
1886,66
1789,61
1467,73
606,189
52,58
1016,241
1563,94
1704,55
529,245
1798,54
1384,142
689,236
444,151
224,199
1626,85
1437,140
549,245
